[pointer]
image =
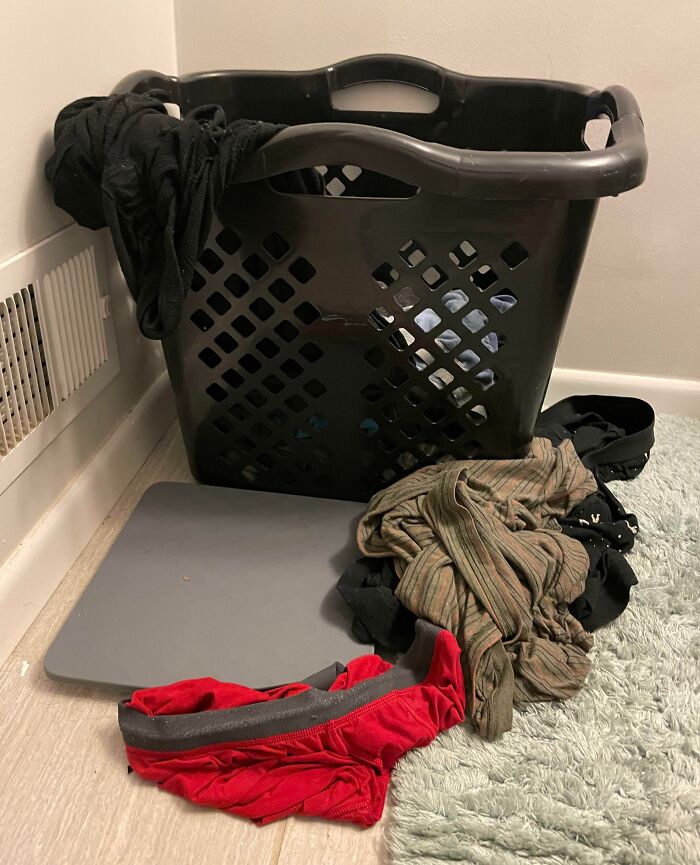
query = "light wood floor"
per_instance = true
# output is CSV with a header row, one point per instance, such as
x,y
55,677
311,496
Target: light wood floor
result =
x,y
65,795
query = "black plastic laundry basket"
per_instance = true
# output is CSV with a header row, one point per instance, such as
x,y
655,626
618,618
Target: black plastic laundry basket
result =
x,y
330,344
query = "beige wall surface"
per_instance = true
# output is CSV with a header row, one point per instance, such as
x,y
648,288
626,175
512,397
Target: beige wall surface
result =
x,y
50,54
637,308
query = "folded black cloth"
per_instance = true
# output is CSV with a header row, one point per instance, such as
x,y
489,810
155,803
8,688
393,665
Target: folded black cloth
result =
x,y
122,161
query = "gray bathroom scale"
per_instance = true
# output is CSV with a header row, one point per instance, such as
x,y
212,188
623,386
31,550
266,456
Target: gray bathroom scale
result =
x,y
209,581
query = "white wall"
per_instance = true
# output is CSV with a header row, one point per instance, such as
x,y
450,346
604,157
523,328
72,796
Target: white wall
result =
x,y
50,54
637,308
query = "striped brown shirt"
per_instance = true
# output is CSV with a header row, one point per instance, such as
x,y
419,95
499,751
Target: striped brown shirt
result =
x,y
478,550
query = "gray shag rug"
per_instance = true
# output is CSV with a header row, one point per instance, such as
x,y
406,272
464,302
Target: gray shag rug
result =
x,y
612,776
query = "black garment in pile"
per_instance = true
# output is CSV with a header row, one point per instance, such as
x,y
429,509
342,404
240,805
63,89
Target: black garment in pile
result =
x,y
613,437
367,586
122,161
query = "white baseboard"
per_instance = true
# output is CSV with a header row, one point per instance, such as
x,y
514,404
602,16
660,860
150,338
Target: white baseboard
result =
x,y
679,396
32,573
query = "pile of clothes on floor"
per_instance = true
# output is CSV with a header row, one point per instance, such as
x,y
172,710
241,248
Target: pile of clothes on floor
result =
x,y
491,575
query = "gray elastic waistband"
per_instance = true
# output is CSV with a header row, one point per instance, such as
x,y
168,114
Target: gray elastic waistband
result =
x,y
289,715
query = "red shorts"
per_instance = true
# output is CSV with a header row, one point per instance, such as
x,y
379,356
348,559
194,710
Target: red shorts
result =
x,y
325,746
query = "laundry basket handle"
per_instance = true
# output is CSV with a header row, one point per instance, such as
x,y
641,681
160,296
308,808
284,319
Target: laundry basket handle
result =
x,y
394,68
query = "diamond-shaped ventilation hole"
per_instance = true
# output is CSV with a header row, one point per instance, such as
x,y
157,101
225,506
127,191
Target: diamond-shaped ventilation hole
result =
x,y
307,312
261,308
311,352
427,448
484,277
460,396
486,378
441,378
256,398
396,376
406,298
411,429
250,363
454,300
387,444
216,392
276,245
492,341
380,318
422,359
229,456
233,378
250,474
209,357
335,186
401,339
202,320
477,415
211,261
317,422
302,270
427,320
278,417
228,240
503,301
385,274
286,331
296,403
315,388
267,347
218,303
238,411
223,425
467,359
352,172
243,325
281,290
273,383
447,341
453,431
435,413
391,412
226,342
514,255
434,277
475,320
412,253
372,392
407,460
236,285
267,461
291,368
374,357
198,282
255,266
462,254
416,395
282,449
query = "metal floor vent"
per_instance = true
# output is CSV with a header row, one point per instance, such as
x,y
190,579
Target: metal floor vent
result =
x,y
57,344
